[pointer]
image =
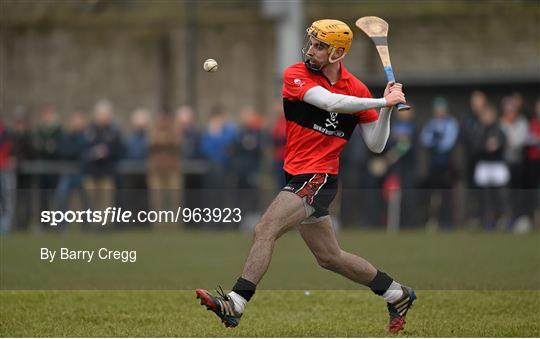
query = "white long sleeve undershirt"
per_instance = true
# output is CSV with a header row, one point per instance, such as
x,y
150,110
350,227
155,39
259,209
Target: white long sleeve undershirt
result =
x,y
339,103
376,133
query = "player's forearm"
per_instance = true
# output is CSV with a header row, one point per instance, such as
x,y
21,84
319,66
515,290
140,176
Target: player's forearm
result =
x,y
376,133
339,103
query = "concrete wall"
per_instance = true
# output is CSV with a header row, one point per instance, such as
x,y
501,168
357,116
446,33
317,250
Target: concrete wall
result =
x,y
446,42
74,68
156,60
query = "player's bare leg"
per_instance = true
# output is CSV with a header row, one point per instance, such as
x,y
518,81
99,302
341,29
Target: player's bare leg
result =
x,y
286,211
321,240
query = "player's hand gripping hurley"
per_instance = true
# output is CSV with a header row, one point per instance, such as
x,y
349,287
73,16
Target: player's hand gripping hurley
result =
x,y
377,29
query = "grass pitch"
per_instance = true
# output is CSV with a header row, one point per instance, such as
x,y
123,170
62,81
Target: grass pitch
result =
x,y
270,314
469,285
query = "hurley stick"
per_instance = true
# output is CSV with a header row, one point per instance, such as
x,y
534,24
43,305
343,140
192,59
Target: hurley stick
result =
x,y
377,29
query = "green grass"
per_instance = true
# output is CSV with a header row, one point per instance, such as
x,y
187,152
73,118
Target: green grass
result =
x,y
270,314
469,285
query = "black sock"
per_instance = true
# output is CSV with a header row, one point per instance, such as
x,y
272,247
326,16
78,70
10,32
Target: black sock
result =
x,y
245,288
380,283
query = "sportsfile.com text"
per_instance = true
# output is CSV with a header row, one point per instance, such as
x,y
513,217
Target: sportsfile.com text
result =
x,y
115,215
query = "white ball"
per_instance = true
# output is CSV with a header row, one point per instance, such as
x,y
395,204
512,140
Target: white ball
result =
x,y
307,293
210,65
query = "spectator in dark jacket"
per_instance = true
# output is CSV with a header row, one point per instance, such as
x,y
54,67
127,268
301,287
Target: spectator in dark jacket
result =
x,y
72,149
247,156
492,174
104,150
189,133
470,132
189,136
47,140
401,156
217,142
439,136
134,190
137,142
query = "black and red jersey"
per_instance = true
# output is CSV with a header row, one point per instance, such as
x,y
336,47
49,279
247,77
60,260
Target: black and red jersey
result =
x,y
315,137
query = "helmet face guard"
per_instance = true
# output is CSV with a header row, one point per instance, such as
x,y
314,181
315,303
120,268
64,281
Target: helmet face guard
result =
x,y
305,49
332,33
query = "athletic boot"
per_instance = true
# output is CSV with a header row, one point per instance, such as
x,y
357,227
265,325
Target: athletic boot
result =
x,y
398,310
221,305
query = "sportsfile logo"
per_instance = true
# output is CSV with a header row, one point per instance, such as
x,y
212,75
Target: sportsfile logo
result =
x,y
120,215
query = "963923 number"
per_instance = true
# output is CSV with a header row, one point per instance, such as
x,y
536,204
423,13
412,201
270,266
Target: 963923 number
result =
x,y
225,215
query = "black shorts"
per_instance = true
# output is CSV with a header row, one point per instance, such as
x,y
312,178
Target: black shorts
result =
x,y
317,189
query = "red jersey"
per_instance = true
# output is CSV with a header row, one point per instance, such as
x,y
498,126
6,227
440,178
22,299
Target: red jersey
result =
x,y
315,137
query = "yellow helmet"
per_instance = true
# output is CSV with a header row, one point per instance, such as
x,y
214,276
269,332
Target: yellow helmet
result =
x,y
334,33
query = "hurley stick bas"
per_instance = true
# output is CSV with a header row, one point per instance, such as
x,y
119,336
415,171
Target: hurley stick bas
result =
x,y
377,29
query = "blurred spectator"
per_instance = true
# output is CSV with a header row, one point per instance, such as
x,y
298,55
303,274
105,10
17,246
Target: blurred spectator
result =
x,y
491,173
518,100
439,136
247,154
401,148
7,181
216,146
470,133
401,156
189,133
279,136
471,129
393,172
73,148
134,192
189,136
514,126
217,141
47,140
532,165
23,150
359,206
137,143
164,177
232,151
104,150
